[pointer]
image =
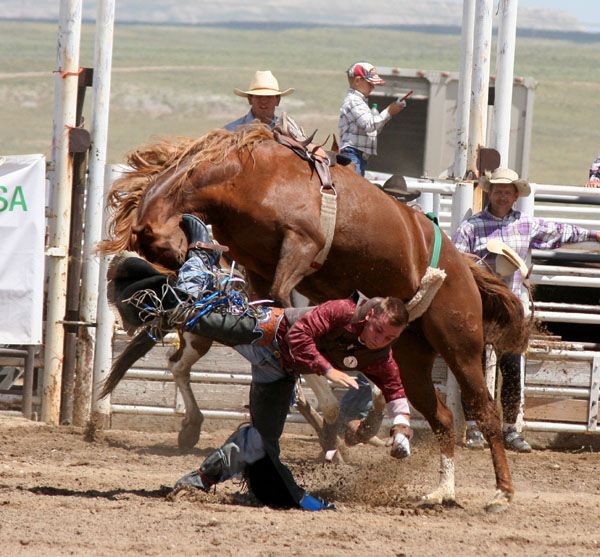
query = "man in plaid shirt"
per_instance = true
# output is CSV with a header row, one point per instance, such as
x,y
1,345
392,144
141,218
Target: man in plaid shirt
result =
x,y
358,124
520,232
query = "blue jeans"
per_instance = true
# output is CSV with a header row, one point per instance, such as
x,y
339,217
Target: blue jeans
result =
x,y
264,364
357,157
356,403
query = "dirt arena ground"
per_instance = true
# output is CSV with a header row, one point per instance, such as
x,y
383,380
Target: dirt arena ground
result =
x,y
63,495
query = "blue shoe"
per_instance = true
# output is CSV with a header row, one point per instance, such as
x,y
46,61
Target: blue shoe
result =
x,y
194,479
310,503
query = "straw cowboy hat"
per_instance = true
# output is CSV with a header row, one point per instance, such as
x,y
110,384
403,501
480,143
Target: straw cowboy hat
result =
x,y
507,259
504,176
263,84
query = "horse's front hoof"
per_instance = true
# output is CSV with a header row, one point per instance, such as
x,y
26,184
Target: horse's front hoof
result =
x,y
500,503
189,436
351,434
187,439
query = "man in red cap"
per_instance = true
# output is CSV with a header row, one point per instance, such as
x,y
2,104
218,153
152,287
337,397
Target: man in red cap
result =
x,y
359,124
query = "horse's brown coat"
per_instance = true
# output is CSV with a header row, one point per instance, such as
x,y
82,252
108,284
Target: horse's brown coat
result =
x,y
263,202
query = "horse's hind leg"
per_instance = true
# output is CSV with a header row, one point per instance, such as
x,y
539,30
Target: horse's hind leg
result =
x,y
461,346
477,396
330,408
415,358
191,349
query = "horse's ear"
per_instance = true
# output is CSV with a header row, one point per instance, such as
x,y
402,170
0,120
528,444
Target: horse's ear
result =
x,y
334,145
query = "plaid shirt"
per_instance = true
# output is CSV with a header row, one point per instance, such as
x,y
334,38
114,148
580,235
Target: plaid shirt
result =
x,y
358,125
519,231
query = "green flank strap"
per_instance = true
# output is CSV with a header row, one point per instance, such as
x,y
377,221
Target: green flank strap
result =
x,y
437,240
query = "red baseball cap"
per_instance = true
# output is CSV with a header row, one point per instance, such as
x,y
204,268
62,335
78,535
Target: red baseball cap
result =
x,y
366,70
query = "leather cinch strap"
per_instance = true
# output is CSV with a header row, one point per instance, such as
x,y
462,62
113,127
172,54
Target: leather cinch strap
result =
x,y
328,218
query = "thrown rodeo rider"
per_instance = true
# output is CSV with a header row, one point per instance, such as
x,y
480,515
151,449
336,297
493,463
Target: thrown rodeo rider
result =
x,y
348,334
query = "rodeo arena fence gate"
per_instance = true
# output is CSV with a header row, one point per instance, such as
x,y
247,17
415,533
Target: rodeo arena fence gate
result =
x,y
562,378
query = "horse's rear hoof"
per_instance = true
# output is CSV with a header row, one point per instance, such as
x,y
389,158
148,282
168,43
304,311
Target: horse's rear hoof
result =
x,y
500,503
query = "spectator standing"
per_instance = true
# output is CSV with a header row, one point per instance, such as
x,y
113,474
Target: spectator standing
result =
x,y
263,96
521,232
359,125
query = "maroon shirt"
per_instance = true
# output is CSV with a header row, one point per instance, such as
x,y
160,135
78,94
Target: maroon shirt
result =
x,y
327,336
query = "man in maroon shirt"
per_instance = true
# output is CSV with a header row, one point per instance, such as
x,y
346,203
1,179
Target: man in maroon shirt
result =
x,y
332,338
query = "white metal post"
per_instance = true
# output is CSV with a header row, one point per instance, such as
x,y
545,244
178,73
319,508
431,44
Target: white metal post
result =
x,y
105,325
505,62
464,89
527,133
480,81
94,206
426,201
462,206
67,76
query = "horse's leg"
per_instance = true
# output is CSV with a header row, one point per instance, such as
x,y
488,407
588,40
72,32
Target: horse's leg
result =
x,y
477,396
330,408
415,358
457,335
297,253
190,350
309,413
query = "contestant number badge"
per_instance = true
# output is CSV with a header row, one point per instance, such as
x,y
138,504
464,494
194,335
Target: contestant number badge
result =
x,y
350,361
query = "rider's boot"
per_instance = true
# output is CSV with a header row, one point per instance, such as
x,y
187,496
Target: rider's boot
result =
x,y
200,242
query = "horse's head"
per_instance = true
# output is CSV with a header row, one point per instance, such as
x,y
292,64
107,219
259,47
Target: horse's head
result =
x,y
169,179
164,242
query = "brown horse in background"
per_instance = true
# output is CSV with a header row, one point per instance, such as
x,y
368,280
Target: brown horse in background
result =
x,y
263,202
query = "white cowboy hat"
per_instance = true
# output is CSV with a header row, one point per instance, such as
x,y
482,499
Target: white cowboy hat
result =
x,y
507,259
504,176
263,84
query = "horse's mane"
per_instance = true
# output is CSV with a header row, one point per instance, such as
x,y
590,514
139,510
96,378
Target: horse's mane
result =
x,y
150,161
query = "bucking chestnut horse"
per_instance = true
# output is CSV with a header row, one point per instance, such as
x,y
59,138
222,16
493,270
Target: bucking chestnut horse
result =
x,y
263,201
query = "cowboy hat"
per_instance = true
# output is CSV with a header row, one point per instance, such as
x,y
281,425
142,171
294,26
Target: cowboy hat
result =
x,y
507,259
396,186
264,84
504,176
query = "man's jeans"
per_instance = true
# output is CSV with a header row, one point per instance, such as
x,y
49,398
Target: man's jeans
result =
x,y
356,403
357,157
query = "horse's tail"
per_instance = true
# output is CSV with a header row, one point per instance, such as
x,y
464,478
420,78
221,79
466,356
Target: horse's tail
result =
x,y
139,346
505,325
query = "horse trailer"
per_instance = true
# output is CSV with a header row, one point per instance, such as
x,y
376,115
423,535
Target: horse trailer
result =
x,y
421,140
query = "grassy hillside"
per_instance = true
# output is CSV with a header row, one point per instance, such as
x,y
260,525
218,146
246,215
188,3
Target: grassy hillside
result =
x,y
179,81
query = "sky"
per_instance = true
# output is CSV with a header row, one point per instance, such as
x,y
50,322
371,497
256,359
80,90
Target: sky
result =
x,y
586,11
